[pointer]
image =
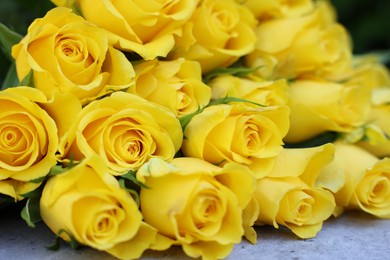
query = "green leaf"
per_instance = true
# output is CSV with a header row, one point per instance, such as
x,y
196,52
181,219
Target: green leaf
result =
x,y
11,78
56,245
72,241
179,154
185,120
57,169
327,137
130,175
133,193
30,213
8,38
34,194
227,100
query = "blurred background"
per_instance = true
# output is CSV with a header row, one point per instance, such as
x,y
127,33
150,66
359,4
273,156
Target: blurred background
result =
x,y
367,21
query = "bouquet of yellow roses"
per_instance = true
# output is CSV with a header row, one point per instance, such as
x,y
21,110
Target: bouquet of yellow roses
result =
x,y
128,126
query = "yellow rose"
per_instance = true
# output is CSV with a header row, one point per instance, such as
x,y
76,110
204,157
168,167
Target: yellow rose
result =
x,y
65,3
370,72
268,93
218,34
144,27
367,181
290,202
379,116
377,76
270,9
125,130
63,108
28,141
292,195
320,106
87,203
68,54
175,84
238,133
307,164
195,204
310,44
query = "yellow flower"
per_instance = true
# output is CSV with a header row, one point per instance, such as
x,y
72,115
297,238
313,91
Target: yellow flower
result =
x,y
68,54
63,108
268,93
175,84
218,34
195,204
290,202
292,194
307,164
28,141
125,130
238,133
144,27
87,203
367,181
309,44
376,76
370,72
271,9
379,117
318,106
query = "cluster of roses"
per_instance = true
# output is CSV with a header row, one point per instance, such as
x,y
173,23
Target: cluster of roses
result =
x,y
147,124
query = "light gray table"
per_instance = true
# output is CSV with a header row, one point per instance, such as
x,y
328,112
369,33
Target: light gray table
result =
x,y
355,235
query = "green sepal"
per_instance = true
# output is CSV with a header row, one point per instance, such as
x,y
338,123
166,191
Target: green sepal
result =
x,y
130,175
133,193
34,193
72,241
59,169
234,71
179,154
28,80
30,213
55,170
8,38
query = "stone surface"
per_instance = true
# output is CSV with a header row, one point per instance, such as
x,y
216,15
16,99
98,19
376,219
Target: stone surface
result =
x,y
354,235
